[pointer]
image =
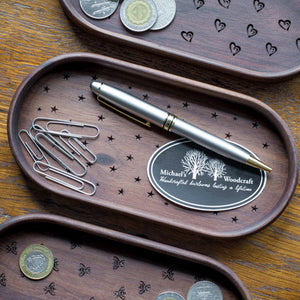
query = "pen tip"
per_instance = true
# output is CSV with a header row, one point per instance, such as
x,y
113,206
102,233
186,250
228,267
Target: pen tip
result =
x,y
95,86
258,164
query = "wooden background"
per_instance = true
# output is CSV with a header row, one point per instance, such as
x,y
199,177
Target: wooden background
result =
x,y
31,32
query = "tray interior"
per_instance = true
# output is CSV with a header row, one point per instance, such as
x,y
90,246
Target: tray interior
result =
x,y
253,38
87,266
60,89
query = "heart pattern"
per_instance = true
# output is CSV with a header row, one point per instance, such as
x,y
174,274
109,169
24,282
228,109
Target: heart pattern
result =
x,y
258,5
271,49
198,3
285,24
234,48
219,25
251,31
224,3
187,35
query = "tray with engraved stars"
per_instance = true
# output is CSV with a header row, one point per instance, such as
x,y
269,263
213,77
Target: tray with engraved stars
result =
x,y
115,178
255,38
92,262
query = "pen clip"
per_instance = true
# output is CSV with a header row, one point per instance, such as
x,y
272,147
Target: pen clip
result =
x,y
123,112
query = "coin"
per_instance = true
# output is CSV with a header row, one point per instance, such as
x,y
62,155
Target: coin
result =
x,y
99,9
166,10
204,290
36,262
169,296
138,15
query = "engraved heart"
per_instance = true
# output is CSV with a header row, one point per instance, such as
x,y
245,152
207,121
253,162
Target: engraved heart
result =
x,y
199,3
224,3
187,35
251,31
271,49
234,48
258,5
298,44
219,25
284,24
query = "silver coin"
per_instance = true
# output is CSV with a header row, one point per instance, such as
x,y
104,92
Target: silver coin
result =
x,y
204,290
169,296
138,15
166,10
99,9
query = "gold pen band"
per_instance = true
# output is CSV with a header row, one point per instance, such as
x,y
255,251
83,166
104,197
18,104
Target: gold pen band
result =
x,y
169,122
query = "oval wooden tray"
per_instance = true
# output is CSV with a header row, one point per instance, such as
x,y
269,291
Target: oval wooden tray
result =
x,y
93,262
59,88
250,38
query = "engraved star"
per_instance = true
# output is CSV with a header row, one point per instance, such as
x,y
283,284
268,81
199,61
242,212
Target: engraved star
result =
x,y
46,89
138,137
254,208
88,164
228,135
113,169
234,118
38,109
121,191
185,104
254,125
129,157
81,98
54,108
214,115
110,138
150,194
146,97
85,143
234,219
100,118
168,106
216,213
266,145
95,77
157,146
66,76
137,179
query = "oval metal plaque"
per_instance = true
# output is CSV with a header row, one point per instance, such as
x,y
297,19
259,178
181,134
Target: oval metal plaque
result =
x,y
197,178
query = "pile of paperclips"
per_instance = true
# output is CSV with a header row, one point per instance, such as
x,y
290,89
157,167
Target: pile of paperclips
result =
x,y
58,152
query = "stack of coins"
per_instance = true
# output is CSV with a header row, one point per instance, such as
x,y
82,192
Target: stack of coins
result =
x,y
201,290
135,15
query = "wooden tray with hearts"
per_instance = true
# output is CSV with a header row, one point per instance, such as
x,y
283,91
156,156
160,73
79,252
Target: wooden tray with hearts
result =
x,y
256,39
60,89
92,262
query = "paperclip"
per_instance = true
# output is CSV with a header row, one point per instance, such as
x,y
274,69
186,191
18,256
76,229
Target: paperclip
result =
x,y
55,157
65,123
82,182
84,148
34,156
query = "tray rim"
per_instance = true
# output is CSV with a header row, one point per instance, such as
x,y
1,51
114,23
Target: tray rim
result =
x,y
208,89
185,57
130,240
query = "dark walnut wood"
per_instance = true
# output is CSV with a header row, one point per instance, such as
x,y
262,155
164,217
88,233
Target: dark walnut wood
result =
x,y
92,262
59,88
249,38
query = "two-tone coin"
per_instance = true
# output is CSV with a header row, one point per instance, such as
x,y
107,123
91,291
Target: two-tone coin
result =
x,y
203,290
36,262
138,15
166,10
99,9
169,296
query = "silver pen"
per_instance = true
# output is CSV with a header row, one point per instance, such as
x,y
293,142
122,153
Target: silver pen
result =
x,y
114,97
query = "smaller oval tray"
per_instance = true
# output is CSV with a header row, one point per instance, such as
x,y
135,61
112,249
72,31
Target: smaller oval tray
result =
x,y
92,262
60,88
256,39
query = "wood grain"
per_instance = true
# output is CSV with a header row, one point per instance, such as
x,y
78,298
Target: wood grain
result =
x,y
267,262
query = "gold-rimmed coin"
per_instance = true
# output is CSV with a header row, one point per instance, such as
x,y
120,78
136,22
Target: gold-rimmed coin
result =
x,y
36,262
138,15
